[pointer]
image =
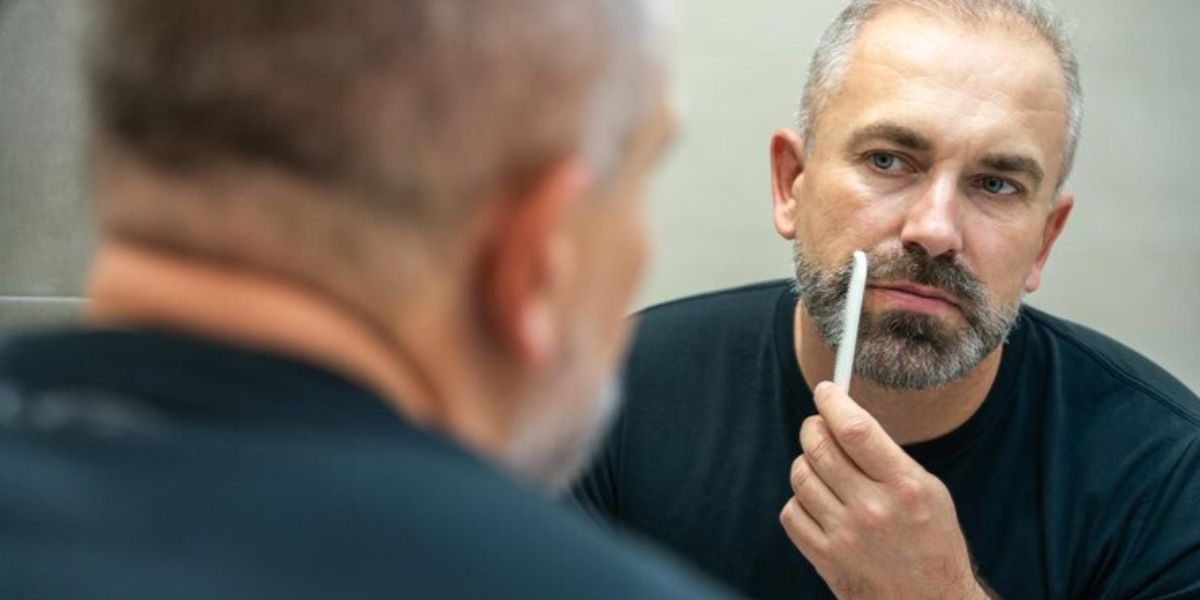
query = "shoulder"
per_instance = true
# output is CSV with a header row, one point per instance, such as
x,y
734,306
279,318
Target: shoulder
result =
x,y
462,514
1127,433
1098,368
709,319
287,513
1106,445
717,303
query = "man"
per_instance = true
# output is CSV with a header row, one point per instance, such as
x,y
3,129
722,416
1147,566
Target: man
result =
x,y
983,444
359,261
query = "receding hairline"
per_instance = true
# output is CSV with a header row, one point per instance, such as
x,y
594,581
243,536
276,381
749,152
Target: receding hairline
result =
x,y
1013,26
841,44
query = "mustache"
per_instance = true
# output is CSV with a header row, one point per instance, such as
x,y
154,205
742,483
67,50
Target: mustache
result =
x,y
915,266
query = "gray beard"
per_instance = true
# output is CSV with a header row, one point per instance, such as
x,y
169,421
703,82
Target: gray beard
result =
x,y
561,430
903,350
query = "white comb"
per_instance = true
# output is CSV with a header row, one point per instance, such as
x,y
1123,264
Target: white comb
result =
x,y
844,367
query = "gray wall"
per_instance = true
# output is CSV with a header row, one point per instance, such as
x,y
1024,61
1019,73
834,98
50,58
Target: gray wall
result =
x,y
1128,264
44,231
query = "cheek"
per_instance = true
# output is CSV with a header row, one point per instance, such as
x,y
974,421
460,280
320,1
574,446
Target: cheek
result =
x,y
618,256
627,279
631,244
639,249
1002,260
841,216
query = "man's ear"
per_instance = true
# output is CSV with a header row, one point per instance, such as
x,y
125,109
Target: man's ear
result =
x,y
526,257
787,169
1055,222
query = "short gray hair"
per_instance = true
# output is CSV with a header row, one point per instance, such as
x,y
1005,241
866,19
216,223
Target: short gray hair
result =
x,y
415,106
832,56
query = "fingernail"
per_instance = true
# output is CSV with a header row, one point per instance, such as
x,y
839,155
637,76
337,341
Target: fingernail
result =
x,y
821,386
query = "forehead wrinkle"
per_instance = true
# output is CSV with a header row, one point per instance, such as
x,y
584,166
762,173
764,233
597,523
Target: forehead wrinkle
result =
x,y
923,117
896,62
916,40
893,132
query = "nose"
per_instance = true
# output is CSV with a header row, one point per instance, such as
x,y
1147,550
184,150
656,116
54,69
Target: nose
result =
x,y
932,223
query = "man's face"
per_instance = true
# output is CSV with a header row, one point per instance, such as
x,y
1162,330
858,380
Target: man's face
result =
x,y
567,423
939,155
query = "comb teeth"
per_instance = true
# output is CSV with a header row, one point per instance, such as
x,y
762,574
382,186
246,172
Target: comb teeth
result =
x,y
844,367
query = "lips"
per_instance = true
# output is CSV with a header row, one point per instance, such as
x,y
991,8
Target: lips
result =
x,y
919,291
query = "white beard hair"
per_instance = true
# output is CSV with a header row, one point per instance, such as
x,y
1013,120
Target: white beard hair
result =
x,y
556,437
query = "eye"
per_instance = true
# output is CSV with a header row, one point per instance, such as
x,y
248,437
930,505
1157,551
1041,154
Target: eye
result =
x,y
998,186
884,161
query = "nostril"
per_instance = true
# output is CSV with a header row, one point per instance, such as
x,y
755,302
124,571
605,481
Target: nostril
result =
x,y
914,247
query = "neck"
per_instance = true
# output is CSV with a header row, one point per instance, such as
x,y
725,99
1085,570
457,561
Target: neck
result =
x,y
134,286
909,416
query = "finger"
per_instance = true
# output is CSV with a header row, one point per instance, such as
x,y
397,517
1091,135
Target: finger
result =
x,y
860,435
812,493
804,531
829,461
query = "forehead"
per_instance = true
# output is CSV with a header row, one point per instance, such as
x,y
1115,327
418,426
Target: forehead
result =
x,y
987,87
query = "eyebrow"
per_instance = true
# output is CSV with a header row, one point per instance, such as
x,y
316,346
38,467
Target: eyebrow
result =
x,y
909,138
1015,163
891,132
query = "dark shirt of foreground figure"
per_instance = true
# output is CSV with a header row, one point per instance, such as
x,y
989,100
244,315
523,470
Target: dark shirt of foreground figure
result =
x,y
142,465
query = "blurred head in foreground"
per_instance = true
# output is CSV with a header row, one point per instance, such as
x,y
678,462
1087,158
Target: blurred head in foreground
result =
x,y
441,199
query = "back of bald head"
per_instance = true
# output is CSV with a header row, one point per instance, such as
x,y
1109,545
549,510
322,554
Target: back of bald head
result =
x,y
300,126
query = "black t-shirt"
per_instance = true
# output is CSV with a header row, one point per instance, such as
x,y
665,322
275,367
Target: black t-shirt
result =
x,y
1078,477
146,465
